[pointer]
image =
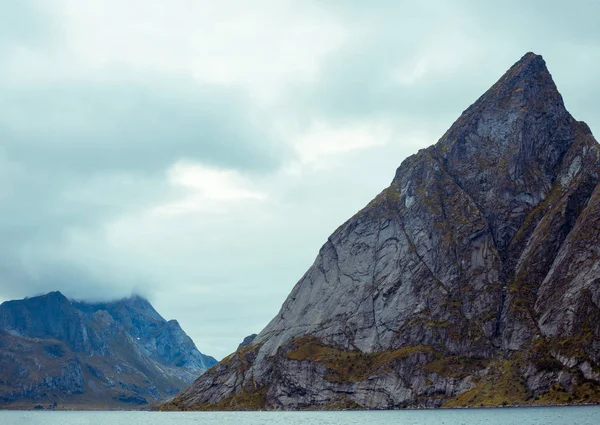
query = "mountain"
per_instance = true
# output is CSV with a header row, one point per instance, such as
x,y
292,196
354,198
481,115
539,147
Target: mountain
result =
x,y
92,355
472,280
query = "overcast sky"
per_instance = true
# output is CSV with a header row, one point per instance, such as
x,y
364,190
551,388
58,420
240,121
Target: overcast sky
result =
x,y
199,153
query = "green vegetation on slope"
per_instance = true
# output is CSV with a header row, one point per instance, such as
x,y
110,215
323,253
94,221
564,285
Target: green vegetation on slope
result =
x,y
349,366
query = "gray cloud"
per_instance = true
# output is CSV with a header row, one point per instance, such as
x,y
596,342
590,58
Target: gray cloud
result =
x,y
131,126
484,38
24,23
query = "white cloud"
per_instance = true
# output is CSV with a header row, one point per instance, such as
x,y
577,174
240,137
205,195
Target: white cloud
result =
x,y
208,189
259,46
324,142
445,50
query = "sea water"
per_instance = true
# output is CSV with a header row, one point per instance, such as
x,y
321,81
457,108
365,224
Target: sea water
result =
x,y
584,415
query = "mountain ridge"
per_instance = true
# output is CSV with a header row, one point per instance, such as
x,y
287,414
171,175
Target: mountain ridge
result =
x,y
455,286
121,353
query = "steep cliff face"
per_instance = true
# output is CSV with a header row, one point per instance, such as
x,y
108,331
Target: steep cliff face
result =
x,y
473,279
122,353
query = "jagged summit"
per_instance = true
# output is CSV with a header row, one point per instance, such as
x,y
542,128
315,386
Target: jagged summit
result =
x,y
53,295
526,82
525,96
510,142
526,87
471,280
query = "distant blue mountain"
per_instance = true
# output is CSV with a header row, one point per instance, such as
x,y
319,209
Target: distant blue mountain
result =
x,y
56,351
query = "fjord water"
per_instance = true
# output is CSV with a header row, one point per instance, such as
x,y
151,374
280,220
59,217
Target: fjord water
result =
x,y
584,415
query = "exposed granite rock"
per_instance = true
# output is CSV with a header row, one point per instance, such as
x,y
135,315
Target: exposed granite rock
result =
x,y
247,341
93,355
473,279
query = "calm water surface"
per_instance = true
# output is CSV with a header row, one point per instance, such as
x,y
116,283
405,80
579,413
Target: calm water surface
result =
x,y
587,415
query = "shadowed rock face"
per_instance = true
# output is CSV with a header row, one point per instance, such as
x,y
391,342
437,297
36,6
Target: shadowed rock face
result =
x,y
473,279
120,353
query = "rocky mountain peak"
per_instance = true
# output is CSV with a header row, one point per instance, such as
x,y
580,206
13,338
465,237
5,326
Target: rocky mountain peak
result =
x,y
136,305
54,297
526,83
57,295
524,99
471,280
504,151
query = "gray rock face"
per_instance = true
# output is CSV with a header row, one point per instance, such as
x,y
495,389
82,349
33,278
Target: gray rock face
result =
x,y
93,355
462,283
247,341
